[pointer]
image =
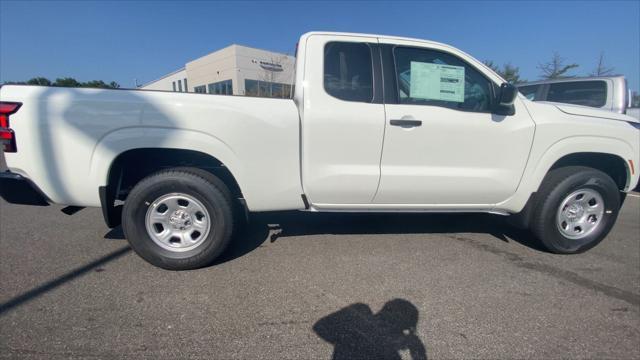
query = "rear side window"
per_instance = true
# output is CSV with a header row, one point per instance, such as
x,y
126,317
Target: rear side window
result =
x,y
529,91
348,71
587,93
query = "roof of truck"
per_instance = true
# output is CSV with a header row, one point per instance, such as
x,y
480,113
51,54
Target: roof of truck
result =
x,y
567,79
373,35
394,37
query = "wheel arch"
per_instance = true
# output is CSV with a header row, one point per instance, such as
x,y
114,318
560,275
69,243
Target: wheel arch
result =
x,y
591,151
133,165
609,155
611,164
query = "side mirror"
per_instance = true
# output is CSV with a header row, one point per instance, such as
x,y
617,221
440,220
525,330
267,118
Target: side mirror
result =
x,y
507,95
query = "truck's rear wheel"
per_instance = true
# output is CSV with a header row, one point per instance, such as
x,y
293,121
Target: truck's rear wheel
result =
x,y
577,207
179,219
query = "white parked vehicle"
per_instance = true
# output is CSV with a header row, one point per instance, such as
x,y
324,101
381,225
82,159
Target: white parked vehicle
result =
x,y
377,123
603,92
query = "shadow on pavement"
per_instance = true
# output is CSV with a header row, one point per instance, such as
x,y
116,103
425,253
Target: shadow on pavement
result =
x,y
248,238
301,223
357,333
276,225
272,226
115,234
61,280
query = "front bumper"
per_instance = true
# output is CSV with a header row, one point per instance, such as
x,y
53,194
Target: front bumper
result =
x,y
17,189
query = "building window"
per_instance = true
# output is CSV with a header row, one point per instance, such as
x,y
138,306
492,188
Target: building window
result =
x,y
267,89
251,88
174,86
221,88
200,89
186,89
180,85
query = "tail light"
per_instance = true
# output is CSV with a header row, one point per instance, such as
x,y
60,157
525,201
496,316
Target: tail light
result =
x,y
7,136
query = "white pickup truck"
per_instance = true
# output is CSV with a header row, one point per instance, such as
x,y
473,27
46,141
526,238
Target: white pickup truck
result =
x,y
376,123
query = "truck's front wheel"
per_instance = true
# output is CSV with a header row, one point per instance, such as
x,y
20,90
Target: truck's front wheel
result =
x,y
179,219
576,210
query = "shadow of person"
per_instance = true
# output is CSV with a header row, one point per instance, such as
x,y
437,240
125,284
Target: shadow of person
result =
x,y
357,333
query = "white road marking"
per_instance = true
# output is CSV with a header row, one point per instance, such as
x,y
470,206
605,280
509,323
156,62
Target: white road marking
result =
x,y
634,195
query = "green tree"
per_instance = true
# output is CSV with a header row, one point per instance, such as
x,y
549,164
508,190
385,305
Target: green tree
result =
x,y
39,81
100,84
555,68
94,84
492,65
508,72
66,82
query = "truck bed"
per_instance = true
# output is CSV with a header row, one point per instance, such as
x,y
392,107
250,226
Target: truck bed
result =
x,y
67,138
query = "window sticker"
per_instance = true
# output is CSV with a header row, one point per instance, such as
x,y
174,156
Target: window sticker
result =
x,y
437,82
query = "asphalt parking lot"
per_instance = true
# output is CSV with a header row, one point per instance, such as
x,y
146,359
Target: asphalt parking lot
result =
x,y
317,286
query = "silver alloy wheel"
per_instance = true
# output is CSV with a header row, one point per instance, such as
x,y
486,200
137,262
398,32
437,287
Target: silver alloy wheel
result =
x,y
177,222
580,213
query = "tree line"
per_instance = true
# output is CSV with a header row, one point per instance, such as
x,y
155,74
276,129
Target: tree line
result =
x,y
555,68
66,82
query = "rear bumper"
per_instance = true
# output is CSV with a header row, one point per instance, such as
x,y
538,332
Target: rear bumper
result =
x,y
17,189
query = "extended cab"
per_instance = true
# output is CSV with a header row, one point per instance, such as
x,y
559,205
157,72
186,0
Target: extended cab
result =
x,y
376,123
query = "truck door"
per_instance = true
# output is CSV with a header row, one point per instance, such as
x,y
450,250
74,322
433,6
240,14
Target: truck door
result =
x,y
443,145
342,119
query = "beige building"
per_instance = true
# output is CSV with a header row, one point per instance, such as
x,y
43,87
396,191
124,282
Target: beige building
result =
x,y
234,70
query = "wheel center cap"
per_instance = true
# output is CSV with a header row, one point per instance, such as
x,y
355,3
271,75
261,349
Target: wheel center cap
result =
x,y
180,220
574,211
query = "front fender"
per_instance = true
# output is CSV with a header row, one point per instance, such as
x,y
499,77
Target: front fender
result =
x,y
539,166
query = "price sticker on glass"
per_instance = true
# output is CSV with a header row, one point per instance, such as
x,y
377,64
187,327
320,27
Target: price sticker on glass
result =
x,y
437,82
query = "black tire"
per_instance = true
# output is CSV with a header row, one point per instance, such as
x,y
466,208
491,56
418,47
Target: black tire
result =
x,y
210,191
557,185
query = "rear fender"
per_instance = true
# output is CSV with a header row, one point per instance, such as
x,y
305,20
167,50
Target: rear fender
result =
x,y
124,139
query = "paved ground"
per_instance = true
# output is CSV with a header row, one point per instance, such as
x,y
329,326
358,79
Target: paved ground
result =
x,y
356,284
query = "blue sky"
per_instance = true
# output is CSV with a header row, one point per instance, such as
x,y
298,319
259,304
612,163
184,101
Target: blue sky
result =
x,y
125,40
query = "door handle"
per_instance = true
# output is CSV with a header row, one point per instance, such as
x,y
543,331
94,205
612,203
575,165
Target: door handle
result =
x,y
405,123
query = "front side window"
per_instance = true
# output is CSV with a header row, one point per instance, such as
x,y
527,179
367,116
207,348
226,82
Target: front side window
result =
x,y
348,72
430,77
587,93
529,91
